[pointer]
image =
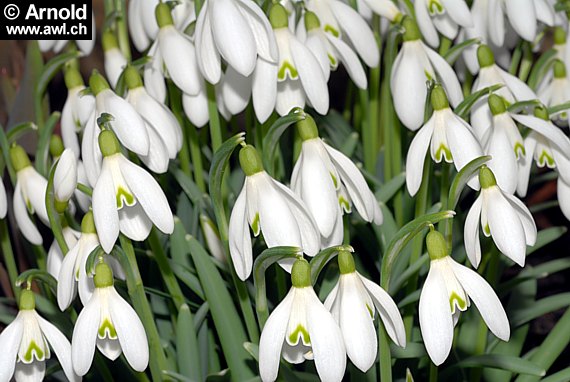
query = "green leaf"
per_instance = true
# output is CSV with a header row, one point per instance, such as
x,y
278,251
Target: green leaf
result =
x,y
539,308
403,237
217,169
453,54
226,318
50,69
388,190
42,151
412,350
262,262
187,353
541,67
499,361
184,274
539,272
36,274
53,215
271,140
518,106
561,376
558,108
188,186
545,237
323,257
20,130
252,349
465,106
5,148
462,178
409,272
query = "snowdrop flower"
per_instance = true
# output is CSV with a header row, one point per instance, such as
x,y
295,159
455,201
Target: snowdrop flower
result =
x,y
447,136
109,322
441,16
3,200
164,131
126,123
328,183
85,46
76,111
546,144
504,143
502,216
26,343
330,50
126,198
29,195
55,255
65,177
301,328
383,8
557,91
448,290
270,208
415,64
490,74
237,31
342,21
115,61
353,302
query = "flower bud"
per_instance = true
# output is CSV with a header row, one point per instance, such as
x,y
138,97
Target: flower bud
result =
x,y
109,41
56,146
88,223
250,161
65,177
559,36
559,69
132,78
73,78
301,273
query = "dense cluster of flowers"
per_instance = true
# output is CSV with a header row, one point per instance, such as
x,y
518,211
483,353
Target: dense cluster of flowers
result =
x,y
123,127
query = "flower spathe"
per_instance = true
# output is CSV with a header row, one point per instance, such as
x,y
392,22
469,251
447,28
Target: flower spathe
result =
x,y
126,198
26,344
447,136
269,208
301,328
111,324
29,195
415,64
328,182
237,31
448,290
353,302
503,217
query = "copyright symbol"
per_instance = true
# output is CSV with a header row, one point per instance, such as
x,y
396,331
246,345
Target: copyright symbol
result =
x,y
11,11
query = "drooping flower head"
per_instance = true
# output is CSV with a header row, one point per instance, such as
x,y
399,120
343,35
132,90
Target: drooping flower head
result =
x,y
441,16
115,61
557,91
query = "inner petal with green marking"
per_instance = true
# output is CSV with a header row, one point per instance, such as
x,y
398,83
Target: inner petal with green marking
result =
x,y
255,224
435,7
287,69
332,30
300,333
107,330
33,351
123,195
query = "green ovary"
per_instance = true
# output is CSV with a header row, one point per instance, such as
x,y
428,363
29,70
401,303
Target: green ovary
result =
x,y
287,67
33,349
294,337
107,330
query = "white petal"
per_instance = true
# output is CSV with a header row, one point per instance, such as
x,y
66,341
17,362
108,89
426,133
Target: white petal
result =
x,y
463,144
208,57
134,223
471,233
459,12
236,90
388,311
179,57
425,23
60,345
130,331
350,60
239,237
326,340
35,187
25,224
68,126
264,89
85,336
435,316
3,201
546,128
504,161
526,218
289,95
563,192
10,339
105,209
261,28
447,76
544,12
149,195
520,90
196,107
66,284
525,164
115,62
357,31
32,372
417,155
485,298
157,158
233,36
90,152
496,22
136,29
522,17
316,44
153,77
505,226
65,177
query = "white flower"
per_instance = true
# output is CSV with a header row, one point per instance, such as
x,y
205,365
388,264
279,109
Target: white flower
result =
x,y
301,328
29,195
384,8
547,144
212,237
270,208
114,59
26,343
237,31
415,64
447,136
126,198
76,111
109,322
443,16
563,192
490,74
55,256
3,200
502,216
447,291
557,91
85,46
65,177
342,21
328,183
353,302
165,133
196,106
330,50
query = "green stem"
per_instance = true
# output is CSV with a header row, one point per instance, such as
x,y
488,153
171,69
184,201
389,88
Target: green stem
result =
x,y
8,255
141,305
122,32
196,154
165,269
368,143
385,355
215,128
433,372
444,193
175,99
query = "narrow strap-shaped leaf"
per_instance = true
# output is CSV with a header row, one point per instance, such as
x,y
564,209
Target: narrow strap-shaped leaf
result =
x,y
539,308
500,361
518,106
20,130
36,274
51,68
5,148
540,67
262,262
462,178
323,257
545,237
558,108
226,318
403,237
561,376
465,106
388,190
271,139
453,54
187,353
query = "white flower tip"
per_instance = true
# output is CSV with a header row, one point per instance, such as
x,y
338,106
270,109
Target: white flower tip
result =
x,y
65,177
